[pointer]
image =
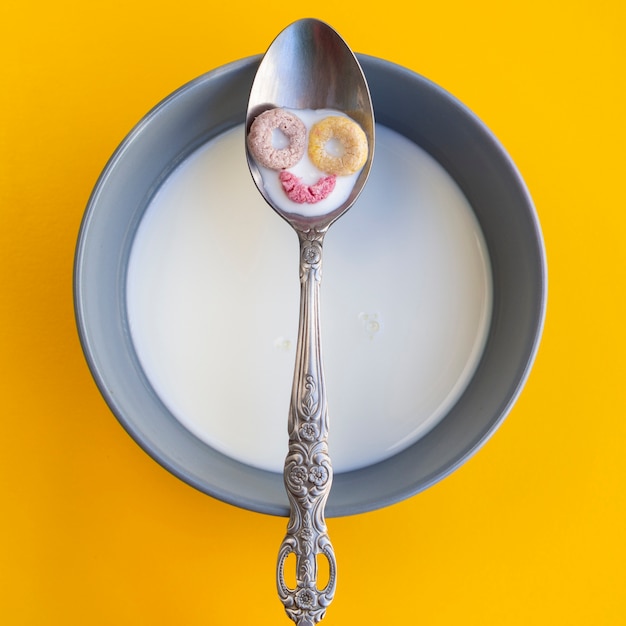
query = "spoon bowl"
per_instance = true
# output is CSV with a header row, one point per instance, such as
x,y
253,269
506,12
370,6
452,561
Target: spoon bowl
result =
x,y
309,67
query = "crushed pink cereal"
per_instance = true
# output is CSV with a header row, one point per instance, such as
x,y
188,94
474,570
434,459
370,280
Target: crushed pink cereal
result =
x,y
301,193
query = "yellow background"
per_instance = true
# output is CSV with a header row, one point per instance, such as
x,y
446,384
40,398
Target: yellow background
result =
x,y
531,531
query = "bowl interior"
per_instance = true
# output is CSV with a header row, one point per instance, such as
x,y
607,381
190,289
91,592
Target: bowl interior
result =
x,y
404,102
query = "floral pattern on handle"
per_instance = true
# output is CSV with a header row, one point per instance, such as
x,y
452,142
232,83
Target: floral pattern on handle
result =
x,y
308,471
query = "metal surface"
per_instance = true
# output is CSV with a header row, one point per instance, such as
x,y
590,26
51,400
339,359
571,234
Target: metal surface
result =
x,y
308,66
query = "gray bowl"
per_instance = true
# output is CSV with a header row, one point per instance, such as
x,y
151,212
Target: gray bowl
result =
x,y
424,113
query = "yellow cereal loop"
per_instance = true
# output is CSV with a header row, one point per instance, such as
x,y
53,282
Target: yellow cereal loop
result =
x,y
353,143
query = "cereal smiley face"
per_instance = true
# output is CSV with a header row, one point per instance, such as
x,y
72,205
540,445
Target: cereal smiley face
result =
x,y
337,146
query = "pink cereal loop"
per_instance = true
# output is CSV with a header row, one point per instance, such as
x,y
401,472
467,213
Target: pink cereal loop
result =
x,y
298,192
260,139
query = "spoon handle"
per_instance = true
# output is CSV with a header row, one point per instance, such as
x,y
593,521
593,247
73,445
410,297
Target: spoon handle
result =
x,y
308,472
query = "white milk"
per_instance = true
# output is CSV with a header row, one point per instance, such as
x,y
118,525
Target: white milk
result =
x,y
309,173
213,294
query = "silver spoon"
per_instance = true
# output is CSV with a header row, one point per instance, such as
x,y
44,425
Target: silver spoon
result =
x,y
309,66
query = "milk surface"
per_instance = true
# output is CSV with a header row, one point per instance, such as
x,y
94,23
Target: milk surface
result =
x,y
212,304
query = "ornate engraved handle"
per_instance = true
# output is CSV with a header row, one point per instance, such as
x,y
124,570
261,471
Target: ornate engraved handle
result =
x,y
308,472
